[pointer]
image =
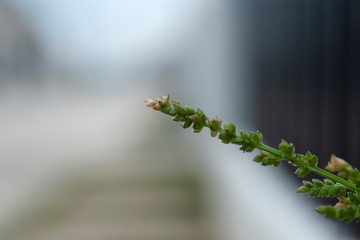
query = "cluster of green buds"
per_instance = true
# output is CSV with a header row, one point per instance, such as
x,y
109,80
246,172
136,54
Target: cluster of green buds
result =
x,y
345,185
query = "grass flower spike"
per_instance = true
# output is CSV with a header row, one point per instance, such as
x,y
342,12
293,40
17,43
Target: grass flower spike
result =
x,y
345,185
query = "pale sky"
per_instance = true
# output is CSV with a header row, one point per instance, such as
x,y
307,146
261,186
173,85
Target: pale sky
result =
x,y
82,31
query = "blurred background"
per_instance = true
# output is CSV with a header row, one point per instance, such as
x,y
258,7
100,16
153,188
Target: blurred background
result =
x,y
81,157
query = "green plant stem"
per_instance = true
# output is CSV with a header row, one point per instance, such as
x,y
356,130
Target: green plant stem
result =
x,y
294,160
314,169
348,178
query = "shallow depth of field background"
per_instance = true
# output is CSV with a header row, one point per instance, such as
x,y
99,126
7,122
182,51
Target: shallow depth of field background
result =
x,y
82,158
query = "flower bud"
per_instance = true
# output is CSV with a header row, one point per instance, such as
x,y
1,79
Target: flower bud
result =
x,y
343,202
335,164
301,189
153,103
164,100
218,121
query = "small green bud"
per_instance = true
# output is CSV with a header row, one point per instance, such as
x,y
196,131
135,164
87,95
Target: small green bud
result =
x,y
214,125
314,192
337,190
325,190
177,107
308,184
201,118
277,163
172,112
301,189
318,183
166,110
182,111
258,158
328,182
194,118
179,118
323,209
264,153
230,128
213,133
286,148
256,137
197,127
248,148
189,111
302,171
187,123
268,161
312,158
224,136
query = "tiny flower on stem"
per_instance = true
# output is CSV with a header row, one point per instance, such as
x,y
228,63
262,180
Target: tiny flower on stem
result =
x,y
335,164
301,189
164,100
153,103
342,203
214,124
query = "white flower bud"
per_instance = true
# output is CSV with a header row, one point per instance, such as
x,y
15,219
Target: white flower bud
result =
x,y
216,120
164,100
339,205
153,103
335,164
